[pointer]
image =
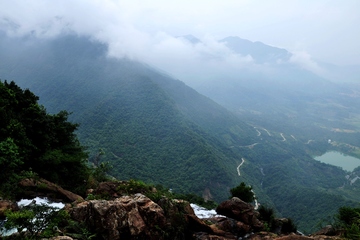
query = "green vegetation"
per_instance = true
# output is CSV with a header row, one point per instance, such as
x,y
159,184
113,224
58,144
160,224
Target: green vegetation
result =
x,y
243,192
33,142
35,220
42,221
267,216
348,220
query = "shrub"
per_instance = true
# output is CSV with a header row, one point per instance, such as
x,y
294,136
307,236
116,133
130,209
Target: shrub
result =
x,y
288,226
243,192
349,220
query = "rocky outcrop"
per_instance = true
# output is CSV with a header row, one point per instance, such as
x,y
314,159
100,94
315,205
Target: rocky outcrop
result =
x,y
41,187
327,231
138,217
127,217
241,211
230,226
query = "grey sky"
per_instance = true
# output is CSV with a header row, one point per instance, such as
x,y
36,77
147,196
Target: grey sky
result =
x,y
325,30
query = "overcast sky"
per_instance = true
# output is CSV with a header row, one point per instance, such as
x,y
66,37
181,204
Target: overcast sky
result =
x,y
325,30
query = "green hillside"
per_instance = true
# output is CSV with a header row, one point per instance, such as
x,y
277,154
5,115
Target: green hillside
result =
x,y
155,128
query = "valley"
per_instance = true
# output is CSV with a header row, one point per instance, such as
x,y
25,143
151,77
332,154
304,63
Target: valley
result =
x,y
158,129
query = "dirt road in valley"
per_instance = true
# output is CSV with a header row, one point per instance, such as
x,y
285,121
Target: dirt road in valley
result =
x,y
238,167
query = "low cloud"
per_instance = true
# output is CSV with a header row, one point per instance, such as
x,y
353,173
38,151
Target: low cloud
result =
x,y
115,24
123,26
305,61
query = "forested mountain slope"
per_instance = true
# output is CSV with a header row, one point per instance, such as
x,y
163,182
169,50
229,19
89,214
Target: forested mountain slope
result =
x,y
126,109
155,128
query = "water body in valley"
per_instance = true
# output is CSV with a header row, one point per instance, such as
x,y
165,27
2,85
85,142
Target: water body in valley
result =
x,y
339,159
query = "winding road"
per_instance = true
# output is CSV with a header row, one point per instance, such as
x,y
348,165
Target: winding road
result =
x,y
262,129
238,167
249,146
282,135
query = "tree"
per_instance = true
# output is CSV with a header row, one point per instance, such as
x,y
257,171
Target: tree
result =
x,y
349,221
243,192
32,139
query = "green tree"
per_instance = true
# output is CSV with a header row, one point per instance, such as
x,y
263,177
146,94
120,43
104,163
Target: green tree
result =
x,y
9,158
32,139
349,221
243,192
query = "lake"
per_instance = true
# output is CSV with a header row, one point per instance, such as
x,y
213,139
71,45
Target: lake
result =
x,y
348,163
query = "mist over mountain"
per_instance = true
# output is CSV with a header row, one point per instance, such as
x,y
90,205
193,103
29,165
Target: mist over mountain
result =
x,y
260,52
158,129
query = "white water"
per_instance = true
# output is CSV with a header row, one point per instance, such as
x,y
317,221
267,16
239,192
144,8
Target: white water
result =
x,y
39,201
201,212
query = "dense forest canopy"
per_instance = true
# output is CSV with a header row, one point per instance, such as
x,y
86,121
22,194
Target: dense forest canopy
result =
x,y
33,141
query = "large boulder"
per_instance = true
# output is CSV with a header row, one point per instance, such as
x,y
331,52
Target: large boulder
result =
x,y
230,225
241,211
127,217
138,217
327,231
109,189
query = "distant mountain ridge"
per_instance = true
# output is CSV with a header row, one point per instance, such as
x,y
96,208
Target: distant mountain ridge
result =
x,y
260,52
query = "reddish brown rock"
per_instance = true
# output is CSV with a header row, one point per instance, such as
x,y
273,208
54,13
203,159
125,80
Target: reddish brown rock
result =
x,y
181,216
327,230
109,189
127,217
7,205
232,226
239,210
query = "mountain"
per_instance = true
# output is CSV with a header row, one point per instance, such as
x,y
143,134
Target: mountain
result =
x,y
155,128
260,52
151,127
190,38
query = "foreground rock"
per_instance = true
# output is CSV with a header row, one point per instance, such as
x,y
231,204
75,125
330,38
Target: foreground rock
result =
x,y
241,211
138,217
126,217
